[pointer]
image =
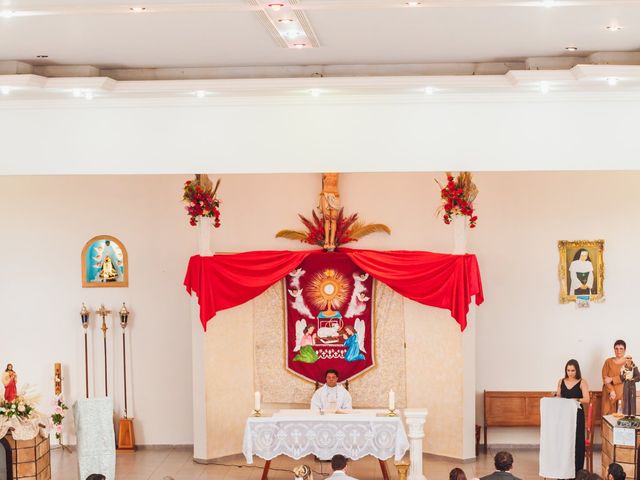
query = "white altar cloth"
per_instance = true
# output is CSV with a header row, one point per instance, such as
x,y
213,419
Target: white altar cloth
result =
x,y
96,444
297,433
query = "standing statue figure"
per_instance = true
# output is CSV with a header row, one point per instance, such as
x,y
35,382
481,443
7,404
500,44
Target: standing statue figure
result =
x,y
108,273
629,375
9,380
330,208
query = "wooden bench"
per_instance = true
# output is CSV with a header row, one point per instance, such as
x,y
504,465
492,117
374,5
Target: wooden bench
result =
x,y
520,409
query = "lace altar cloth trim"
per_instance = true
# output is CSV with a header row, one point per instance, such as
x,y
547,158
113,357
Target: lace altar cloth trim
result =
x,y
23,428
352,435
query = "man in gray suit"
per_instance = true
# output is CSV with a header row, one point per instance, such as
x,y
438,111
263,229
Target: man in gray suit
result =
x,y
504,463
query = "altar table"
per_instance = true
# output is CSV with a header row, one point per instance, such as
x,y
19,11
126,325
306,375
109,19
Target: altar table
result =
x,y
298,433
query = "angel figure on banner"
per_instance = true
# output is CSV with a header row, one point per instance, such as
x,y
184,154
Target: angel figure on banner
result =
x,y
305,339
298,304
295,277
359,299
354,341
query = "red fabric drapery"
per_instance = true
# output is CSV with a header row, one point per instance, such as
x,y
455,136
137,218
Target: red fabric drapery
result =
x,y
434,279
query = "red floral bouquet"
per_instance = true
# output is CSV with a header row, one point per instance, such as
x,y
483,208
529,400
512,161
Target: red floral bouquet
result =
x,y
201,202
457,198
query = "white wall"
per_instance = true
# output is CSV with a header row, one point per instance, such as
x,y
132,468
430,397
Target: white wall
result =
x,y
354,133
524,336
44,223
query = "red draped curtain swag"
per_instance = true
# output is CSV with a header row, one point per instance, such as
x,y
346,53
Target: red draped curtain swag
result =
x,y
434,279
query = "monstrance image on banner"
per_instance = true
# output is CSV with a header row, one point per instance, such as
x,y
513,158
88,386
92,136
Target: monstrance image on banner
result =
x,y
329,318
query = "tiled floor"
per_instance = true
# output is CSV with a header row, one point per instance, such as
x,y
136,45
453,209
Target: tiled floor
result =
x,y
155,464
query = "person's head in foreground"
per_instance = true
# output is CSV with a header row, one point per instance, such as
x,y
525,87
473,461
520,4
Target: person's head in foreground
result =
x,y
331,378
503,461
338,462
615,472
96,476
582,474
457,474
303,472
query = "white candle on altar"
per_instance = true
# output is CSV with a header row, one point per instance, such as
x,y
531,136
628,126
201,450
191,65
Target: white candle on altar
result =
x,y
256,403
392,400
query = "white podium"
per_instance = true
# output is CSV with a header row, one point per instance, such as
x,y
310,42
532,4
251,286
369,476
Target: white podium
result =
x,y
558,437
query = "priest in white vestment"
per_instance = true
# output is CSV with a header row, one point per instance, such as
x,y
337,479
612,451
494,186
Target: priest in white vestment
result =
x,y
331,396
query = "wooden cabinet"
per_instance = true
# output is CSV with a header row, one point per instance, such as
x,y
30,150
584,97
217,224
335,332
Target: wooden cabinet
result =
x,y
626,456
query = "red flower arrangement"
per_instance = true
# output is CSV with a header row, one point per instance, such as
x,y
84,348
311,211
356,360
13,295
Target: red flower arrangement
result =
x,y
201,202
348,229
457,198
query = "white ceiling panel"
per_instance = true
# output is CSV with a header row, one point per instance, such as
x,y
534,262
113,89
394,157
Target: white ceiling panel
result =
x,y
228,33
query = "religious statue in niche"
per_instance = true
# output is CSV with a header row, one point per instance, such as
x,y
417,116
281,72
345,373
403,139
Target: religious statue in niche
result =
x,y
581,271
328,227
104,263
9,380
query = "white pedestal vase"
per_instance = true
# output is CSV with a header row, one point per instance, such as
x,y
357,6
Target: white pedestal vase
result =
x,y
460,224
204,236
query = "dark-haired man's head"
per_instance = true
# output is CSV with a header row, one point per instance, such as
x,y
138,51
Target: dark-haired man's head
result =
x,y
503,461
331,377
615,472
338,462
96,476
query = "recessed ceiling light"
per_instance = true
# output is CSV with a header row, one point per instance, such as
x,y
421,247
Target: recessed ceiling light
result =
x,y
76,92
315,92
275,6
200,93
614,28
544,87
412,4
5,90
286,20
429,90
88,95
138,9
7,13
299,45
571,49
293,34
612,81
548,3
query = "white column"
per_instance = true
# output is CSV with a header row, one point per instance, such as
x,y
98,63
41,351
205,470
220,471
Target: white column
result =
x,y
459,224
200,445
415,418
469,385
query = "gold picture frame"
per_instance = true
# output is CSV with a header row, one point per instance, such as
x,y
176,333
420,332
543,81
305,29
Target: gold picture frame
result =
x,y
92,263
585,277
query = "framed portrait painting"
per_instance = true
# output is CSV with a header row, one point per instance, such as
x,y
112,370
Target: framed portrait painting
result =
x,y
104,263
581,270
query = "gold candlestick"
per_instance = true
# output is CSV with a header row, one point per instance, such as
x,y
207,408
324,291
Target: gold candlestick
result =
x,y
103,312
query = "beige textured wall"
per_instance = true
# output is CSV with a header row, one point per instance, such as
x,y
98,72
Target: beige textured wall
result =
x,y
229,371
434,375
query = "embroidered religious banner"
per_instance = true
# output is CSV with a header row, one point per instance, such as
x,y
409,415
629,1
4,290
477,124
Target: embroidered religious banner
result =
x,y
329,318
